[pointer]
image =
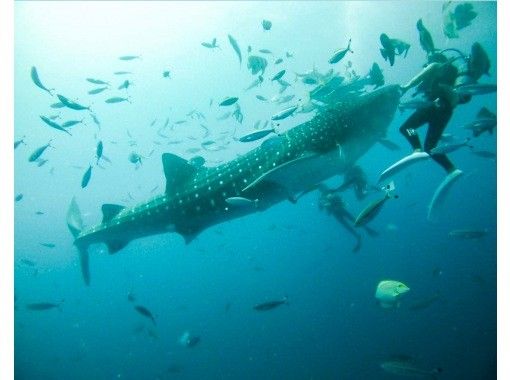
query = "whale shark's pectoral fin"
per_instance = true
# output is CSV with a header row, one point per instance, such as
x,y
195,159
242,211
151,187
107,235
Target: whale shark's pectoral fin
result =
x,y
115,246
177,170
280,174
110,211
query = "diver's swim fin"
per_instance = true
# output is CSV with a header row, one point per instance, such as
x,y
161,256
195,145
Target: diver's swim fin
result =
x,y
441,192
402,164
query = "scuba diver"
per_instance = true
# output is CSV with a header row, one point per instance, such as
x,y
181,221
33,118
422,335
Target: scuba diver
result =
x,y
356,179
438,82
333,204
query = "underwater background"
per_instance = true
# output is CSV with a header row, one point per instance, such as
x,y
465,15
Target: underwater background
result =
x,y
332,326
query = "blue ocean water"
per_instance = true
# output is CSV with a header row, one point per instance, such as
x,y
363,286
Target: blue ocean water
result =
x,y
332,326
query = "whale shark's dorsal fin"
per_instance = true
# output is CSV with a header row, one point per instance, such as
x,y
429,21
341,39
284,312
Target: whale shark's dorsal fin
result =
x,y
110,211
177,170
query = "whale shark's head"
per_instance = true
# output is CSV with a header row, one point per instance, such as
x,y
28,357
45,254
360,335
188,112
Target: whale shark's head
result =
x,y
363,120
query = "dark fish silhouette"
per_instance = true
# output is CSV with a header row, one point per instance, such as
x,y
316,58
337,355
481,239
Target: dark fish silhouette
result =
x,y
338,55
97,81
86,177
229,101
236,48
97,90
19,142
40,306
37,81
54,125
265,306
145,312
70,104
27,262
116,99
99,151
38,152
129,57
257,135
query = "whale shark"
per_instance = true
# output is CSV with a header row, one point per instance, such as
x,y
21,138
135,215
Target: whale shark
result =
x,y
279,169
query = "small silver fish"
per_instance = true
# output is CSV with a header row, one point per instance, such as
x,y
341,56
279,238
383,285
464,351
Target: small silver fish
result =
x,y
129,57
71,123
99,150
54,125
229,101
404,366
278,75
70,104
451,147
57,105
97,90
270,305
211,45
27,262
468,234
19,142
86,177
484,154
369,212
37,81
97,81
257,135
125,85
285,113
41,162
236,48
96,120
338,55
38,152
117,99
145,312
41,306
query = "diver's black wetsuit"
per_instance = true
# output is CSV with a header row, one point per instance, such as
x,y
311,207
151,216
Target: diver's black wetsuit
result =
x,y
436,115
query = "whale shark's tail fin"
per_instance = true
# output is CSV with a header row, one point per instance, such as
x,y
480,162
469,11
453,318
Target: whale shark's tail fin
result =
x,y
75,225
